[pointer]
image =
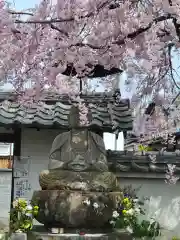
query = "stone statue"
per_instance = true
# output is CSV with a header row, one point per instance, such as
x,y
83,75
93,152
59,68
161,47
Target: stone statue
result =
x,y
78,170
78,149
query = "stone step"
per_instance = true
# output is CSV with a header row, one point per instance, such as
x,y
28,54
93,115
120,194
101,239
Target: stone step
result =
x,y
66,236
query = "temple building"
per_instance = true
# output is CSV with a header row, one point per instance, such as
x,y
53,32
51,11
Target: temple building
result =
x,y
32,130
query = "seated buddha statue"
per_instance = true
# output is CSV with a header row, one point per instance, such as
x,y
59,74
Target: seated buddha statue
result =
x,y
77,159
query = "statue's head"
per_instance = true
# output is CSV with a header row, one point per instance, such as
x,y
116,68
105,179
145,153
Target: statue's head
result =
x,y
74,118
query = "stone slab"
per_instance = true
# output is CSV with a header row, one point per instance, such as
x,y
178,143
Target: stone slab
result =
x,y
66,236
18,236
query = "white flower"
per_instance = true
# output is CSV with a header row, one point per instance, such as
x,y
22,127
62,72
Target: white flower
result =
x,y
112,222
18,231
29,208
136,200
28,214
130,211
87,202
129,229
115,214
95,205
152,220
137,210
15,203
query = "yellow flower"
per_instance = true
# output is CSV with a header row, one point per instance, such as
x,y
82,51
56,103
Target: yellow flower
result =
x,y
22,203
36,207
128,205
126,200
141,148
124,211
144,148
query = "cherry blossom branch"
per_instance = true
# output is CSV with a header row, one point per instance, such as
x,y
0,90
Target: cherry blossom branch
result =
x,y
118,42
20,13
57,36
60,20
59,30
144,29
44,21
131,35
31,14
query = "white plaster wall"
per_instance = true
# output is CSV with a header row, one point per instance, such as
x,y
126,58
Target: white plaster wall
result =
x,y
5,197
5,185
164,202
37,145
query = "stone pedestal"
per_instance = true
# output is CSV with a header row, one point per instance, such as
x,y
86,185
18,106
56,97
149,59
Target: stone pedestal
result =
x,y
76,200
18,236
67,208
110,236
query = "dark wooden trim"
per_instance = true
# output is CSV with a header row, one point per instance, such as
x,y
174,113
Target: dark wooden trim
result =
x,y
125,134
7,137
17,142
99,132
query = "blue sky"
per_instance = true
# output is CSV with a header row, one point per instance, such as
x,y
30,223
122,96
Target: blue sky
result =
x,y
24,4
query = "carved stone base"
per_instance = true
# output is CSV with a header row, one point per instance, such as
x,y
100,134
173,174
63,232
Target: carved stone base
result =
x,y
71,209
70,180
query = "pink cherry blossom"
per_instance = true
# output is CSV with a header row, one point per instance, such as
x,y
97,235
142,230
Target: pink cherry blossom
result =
x,y
37,45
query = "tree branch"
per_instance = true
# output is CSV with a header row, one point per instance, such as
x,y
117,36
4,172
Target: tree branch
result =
x,y
59,30
142,30
61,20
131,35
20,13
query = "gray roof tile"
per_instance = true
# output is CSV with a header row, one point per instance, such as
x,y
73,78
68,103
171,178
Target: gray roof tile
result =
x,y
56,113
122,161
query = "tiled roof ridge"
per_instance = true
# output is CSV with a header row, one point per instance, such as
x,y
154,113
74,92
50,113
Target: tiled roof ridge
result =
x,y
56,114
129,161
146,154
53,96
